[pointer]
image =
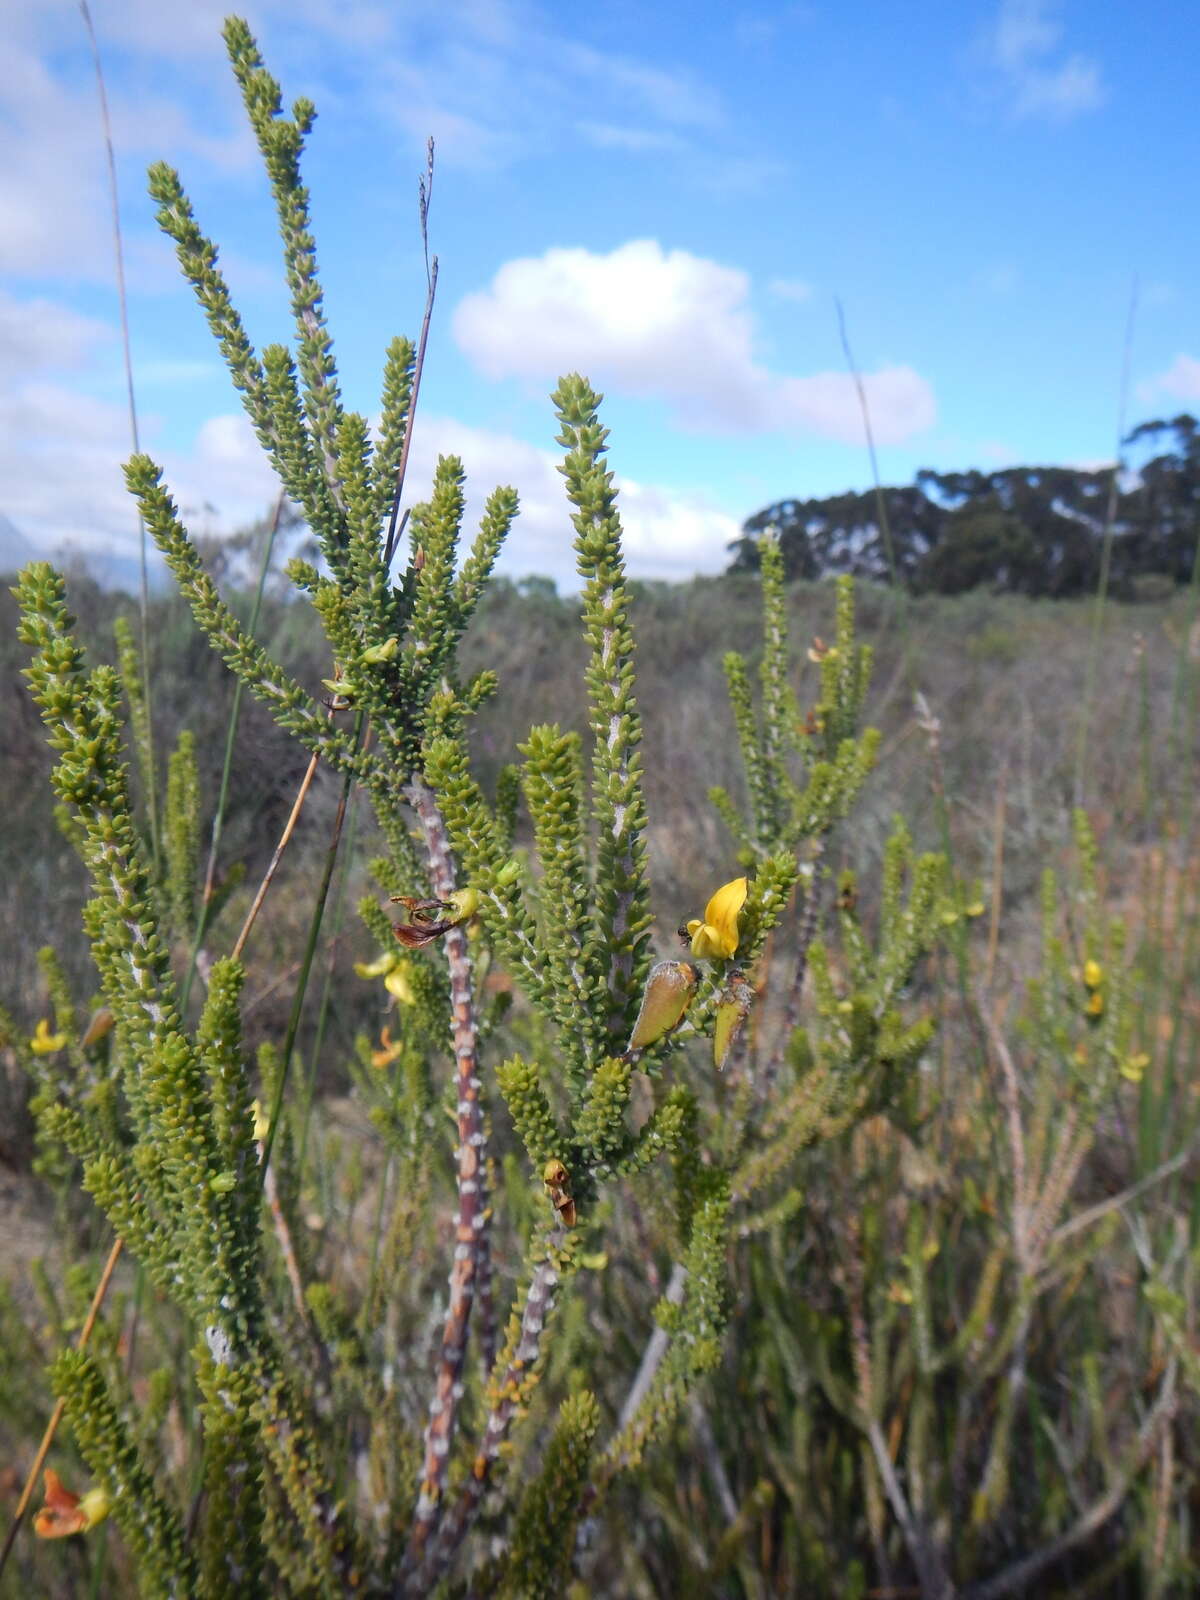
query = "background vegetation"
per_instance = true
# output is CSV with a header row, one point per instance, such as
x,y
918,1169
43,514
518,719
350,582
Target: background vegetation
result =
x,y
464,1259
1038,531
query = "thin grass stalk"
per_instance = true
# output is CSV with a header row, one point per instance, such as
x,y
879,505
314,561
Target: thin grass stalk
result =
x,y
880,504
395,528
218,822
310,948
339,910
127,357
1110,519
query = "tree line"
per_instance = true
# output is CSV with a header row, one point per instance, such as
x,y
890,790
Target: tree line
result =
x,y
1038,531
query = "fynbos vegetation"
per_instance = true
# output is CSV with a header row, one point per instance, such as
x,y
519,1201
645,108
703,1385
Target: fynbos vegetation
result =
x,y
779,1248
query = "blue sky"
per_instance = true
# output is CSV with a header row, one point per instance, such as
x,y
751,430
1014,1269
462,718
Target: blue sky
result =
x,y
667,198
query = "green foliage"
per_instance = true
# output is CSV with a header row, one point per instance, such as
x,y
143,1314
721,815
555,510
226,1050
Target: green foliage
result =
x,y
793,810
404,1342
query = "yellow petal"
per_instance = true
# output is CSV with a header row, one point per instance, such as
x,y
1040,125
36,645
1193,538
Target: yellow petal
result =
x,y
669,991
707,944
716,937
1135,1067
397,984
379,968
45,1043
1093,974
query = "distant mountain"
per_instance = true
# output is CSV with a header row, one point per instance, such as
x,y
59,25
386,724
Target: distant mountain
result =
x,y
15,548
109,569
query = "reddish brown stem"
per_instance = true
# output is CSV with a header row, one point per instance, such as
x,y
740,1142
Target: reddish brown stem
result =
x,y
471,1267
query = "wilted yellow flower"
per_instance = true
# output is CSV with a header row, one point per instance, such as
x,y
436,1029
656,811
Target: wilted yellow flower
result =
x,y
66,1513
379,968
388,1052
669,991
716,936
45,1043
262,1122
1095,1003
732,1011
101,1025
1135,1066
899,1293
1093,974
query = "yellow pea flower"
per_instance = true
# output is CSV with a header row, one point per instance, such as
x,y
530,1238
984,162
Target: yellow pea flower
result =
x,y
379,968
399,985
1135,1067
45,1043
1093,974
715,937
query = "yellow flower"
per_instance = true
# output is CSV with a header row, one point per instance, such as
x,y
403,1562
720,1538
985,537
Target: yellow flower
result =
x,y
1135,1066
1093,974
387,1054
262,1122
66,1513
1095,1003
398,984
379,968
716,937
45,1043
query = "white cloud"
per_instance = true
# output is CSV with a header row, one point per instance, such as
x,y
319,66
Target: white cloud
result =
x,y
790,289
633,141
1024,48
675,326
1181,381
61,456
668,533
62,449
495,81
40,335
